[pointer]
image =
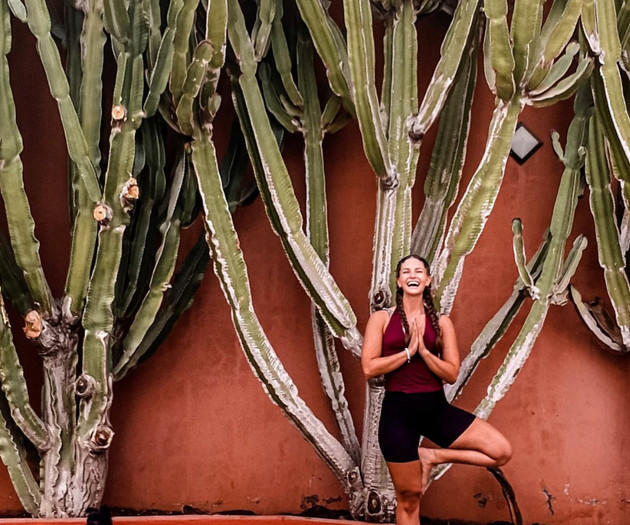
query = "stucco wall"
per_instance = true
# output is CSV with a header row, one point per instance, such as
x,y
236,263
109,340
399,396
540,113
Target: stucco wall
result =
x,y
194,428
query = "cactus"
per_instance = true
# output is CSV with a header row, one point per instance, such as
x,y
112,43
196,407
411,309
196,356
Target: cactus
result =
x,y
122,296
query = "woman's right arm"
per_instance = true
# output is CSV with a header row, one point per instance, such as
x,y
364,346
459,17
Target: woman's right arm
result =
x,y
372,362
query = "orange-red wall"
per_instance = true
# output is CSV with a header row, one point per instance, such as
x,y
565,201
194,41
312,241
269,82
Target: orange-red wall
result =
x,y
193,426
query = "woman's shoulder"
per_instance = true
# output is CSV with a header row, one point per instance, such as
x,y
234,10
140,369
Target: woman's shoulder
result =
x,y
383,314
444,320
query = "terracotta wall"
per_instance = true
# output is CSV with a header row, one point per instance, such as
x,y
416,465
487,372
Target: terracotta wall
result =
x,y
194,428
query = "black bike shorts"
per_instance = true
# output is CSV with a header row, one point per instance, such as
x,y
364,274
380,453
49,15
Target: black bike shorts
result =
x,y
406,417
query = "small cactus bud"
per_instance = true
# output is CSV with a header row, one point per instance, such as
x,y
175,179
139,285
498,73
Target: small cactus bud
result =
x,y
119,112
129,194
131,189
84,386
33,325
102,438
103,213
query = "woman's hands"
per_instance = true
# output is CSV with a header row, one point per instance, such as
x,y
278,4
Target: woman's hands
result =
x,y
415,338
416,341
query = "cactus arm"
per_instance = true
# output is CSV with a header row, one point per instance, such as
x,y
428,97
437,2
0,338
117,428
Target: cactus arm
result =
x,y
231,270
608,57
116,19
457,43
216,29
339,122
602,207
501,55
184,25
154,14
604,332
317,227
152,183
525,30
14,388
561,222
283,60
98,316
273,102
392,229
265,16
361,59
14,458
166,258
329,44
522,346
565,88
587,20
277,191
556,71
619,161
388,67
488,72
316,205
496,328
311,272
195,75
90,113
557,31
447,161
160,72
177,299
519,257
39,24
561,287
476,204
393,221
19,218
14,287
81,255
18,9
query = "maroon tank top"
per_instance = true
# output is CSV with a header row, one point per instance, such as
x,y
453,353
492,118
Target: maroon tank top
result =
x,y
415,376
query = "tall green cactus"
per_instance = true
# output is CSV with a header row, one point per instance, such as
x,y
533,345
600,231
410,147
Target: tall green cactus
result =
x,y
121,297
118,306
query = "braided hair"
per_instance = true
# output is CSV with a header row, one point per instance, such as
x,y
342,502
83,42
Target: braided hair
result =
x,y
427,297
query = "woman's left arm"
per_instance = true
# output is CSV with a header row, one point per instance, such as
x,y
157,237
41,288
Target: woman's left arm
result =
x,y
445,367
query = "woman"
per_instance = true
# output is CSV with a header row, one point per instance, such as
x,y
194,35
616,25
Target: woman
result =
x,y
416,350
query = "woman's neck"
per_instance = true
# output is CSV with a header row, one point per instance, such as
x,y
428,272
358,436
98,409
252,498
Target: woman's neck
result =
x,y
413,304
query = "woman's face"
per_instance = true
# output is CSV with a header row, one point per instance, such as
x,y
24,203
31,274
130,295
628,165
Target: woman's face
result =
x,y
413,277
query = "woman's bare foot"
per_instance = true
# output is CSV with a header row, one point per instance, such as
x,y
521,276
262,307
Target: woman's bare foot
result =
x,y
427,462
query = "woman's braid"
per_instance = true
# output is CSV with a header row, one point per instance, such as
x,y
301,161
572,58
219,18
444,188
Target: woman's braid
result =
x,y
434,317
401,313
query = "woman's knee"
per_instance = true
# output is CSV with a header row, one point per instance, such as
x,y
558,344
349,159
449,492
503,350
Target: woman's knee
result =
x,y
502,452
408,500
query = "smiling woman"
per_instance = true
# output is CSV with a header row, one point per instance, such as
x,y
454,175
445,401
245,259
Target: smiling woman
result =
x,y
416,349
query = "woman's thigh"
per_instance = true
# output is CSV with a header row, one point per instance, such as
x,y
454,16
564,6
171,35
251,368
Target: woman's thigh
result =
x,y
406,476
482,436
